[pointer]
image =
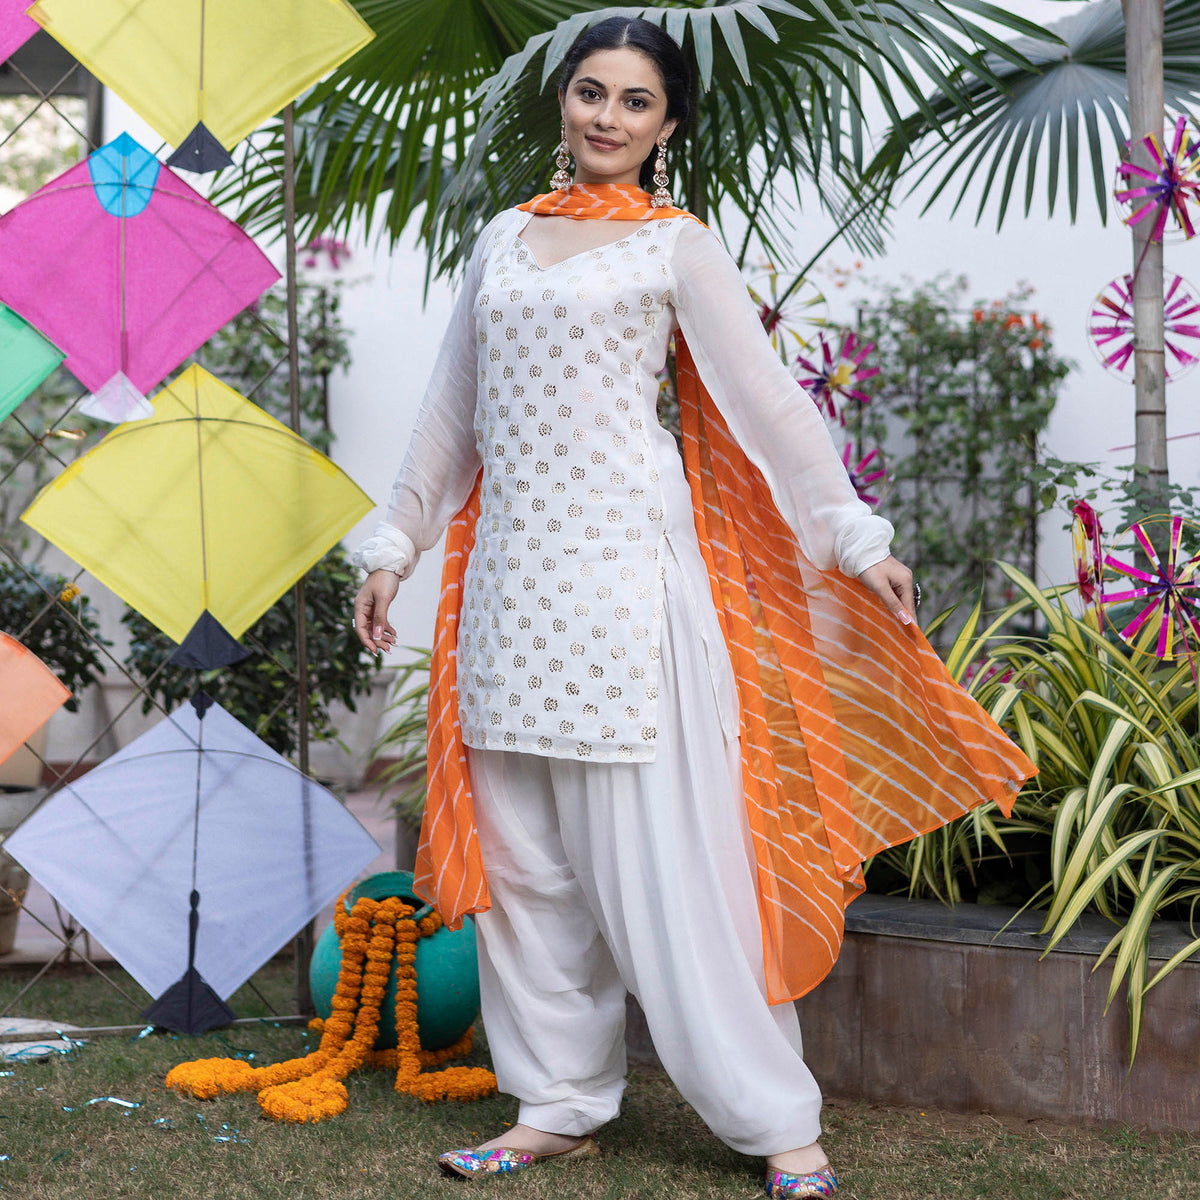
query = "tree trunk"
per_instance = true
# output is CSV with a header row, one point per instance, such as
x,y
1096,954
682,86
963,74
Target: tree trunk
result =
x,y
1143,57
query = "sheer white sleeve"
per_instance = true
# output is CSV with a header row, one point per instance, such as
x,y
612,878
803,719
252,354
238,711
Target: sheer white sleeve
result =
x,y
439,468
772,417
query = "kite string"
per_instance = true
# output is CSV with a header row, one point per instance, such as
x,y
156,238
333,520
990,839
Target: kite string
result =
x,y
196,815
200,488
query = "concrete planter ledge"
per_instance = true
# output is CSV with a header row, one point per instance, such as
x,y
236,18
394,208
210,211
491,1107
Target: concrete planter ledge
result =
x,y
994,925
947,1008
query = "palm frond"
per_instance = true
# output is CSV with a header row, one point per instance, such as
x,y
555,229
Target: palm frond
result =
x,y
1034,117
445,113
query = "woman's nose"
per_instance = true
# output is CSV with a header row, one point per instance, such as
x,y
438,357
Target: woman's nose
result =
x,y
608,115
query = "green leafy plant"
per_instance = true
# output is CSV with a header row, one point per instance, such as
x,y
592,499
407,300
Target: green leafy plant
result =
x,y
55,620
1028,114
962,396
250,355
261,691
449,115
1115,808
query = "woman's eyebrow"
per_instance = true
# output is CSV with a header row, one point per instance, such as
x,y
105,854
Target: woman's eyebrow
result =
x,y
597,83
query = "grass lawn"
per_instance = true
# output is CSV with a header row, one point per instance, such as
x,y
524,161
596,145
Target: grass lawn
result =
x,y
384,1145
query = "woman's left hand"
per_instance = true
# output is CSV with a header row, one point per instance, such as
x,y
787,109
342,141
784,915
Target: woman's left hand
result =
x,y
892,582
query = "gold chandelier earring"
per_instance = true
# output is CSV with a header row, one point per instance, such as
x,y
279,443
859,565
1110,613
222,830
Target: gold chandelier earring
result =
x,y
561,179
662,195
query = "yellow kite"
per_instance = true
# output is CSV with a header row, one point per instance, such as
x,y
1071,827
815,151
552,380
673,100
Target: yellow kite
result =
x,y
200,516
204,73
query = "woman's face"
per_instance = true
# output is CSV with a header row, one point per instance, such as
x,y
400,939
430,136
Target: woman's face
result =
x,y
615,108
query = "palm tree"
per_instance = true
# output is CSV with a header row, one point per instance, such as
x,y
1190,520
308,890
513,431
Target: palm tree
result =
x,y
446,114
998,144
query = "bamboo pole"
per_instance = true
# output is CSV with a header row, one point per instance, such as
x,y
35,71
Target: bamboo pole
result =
x,y
304,939
1144,72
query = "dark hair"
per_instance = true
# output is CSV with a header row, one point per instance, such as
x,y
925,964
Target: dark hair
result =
x,y
659,47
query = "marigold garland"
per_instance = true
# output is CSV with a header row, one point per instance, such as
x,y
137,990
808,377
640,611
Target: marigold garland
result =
x,y
372,935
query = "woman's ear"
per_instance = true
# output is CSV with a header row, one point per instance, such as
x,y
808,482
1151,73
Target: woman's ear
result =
x,y
668,128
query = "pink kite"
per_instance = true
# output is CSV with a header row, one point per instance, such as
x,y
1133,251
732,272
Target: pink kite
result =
x,y
15,27
127,269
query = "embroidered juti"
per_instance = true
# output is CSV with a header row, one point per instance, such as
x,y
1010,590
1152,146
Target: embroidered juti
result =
x,y
633,650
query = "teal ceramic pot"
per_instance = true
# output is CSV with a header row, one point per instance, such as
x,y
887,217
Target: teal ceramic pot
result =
x,y
447,970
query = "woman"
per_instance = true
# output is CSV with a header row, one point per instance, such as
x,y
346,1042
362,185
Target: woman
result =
x,y
609,792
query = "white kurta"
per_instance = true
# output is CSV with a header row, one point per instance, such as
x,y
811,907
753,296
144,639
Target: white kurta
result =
x,y
546,378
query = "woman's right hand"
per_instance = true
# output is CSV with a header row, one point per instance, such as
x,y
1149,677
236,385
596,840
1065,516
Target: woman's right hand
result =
x,y
370,611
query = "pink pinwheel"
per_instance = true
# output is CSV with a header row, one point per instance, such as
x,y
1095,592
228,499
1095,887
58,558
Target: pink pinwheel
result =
x,y
861,473
1110,325
1168,594
15,27
1168,188
1089,555
837,374
128,270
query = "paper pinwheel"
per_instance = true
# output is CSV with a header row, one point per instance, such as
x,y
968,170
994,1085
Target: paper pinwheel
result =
x,y
1110,326
30,694
196,820
836,376
1165,190
799,317
1164,596
26,358
15,27
204,73
200,516
1089,555
862,474
126,268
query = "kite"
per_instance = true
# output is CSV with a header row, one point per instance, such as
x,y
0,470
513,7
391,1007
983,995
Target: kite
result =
x,y
192,855
838,374
204,73
15,27
861,474
30,694
1089,555
126,268
1167,189
200,516
26,358
1110,325
1165,592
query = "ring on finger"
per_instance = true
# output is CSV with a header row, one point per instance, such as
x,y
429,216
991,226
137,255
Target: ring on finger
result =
x,y
917,593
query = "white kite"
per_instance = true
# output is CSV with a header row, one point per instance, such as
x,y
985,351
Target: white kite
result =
x,y
198,827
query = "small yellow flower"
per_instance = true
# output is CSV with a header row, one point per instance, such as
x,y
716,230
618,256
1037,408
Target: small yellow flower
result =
x,y
68,593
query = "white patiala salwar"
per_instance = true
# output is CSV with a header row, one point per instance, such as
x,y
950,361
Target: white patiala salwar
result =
x,y
607,877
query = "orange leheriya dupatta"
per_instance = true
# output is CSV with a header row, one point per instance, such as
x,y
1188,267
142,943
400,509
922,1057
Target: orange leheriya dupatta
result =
x,y
854,737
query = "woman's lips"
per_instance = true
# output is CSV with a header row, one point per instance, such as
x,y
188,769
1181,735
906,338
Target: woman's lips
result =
x,y
601,144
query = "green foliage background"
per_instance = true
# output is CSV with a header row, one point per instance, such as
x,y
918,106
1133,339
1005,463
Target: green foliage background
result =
x,y
963,395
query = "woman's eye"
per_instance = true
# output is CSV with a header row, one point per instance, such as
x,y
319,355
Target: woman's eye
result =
x,y
639,102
